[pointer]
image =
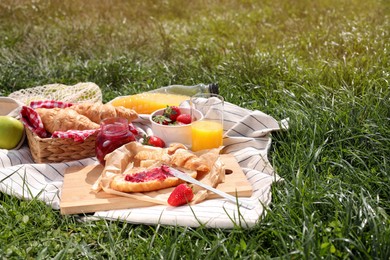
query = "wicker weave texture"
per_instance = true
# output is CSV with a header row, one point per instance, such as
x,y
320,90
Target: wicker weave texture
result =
x,y
49,150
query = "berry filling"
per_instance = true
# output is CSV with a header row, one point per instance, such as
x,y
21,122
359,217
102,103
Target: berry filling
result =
x,y
158,173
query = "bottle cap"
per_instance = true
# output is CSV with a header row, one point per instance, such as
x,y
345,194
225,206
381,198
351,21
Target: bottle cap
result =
x,y
213,88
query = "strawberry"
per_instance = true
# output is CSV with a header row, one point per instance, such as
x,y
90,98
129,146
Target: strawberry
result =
x,y
161,119
184,119
172,112
153,141
182,194
133,129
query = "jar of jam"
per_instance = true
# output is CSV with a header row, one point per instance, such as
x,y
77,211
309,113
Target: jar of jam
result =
x,y
114,132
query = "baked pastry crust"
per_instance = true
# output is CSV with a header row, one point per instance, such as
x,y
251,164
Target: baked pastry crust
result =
x,y
185,159
85,116
134,157
176,156
97,112
122,184
63,119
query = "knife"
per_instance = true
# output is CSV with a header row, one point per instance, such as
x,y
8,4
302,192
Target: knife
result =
x,y
181,175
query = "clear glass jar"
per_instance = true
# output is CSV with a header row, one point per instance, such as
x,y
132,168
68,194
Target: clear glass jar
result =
x,y
114,132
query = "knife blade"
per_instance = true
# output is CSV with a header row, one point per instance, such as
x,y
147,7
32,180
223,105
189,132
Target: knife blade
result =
x,y
181,175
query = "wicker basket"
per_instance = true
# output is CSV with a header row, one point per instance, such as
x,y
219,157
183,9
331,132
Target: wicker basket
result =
x,y
49,150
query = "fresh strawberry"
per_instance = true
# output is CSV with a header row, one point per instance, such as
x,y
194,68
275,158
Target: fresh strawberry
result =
x,y
153,141
172,112
133,129
184,119
161,119
182,194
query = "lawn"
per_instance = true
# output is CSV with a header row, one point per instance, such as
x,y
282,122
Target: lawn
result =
x,y
325,65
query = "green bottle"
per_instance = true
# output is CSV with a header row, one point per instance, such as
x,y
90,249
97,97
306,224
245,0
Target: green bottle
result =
x,y
188,90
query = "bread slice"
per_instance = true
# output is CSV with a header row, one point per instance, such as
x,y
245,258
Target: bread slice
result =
x,y
140,179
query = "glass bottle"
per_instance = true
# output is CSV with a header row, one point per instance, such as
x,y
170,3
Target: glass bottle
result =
x,y
188,90
114,132
173,95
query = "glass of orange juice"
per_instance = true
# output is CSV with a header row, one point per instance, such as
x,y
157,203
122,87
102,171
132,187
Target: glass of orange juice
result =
x,y
208,132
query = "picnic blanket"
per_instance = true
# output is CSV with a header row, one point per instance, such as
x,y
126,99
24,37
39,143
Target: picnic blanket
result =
x,y
247,136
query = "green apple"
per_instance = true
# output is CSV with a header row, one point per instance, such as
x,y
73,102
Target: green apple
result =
x,y
11,132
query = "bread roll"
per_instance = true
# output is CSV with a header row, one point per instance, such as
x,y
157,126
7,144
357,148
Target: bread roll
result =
x,y
85,116
184,158
64,119
178,156
97,112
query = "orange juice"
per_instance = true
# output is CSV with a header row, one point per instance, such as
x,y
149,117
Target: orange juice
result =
x,y
206,135
146,103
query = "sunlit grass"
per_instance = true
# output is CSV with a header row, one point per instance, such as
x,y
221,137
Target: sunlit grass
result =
x,y
323,64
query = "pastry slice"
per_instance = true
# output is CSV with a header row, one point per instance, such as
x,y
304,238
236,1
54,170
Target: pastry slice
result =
x,y
153,178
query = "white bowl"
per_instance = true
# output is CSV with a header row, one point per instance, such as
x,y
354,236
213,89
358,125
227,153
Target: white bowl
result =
x,y
174,133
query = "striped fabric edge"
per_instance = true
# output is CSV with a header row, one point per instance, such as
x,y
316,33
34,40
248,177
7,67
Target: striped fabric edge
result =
x,y
22,178
215,213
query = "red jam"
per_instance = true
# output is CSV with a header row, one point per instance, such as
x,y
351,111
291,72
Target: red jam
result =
x,y
114,132
158,173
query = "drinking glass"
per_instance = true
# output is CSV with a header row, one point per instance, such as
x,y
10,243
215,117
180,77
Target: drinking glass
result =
x,y
207,133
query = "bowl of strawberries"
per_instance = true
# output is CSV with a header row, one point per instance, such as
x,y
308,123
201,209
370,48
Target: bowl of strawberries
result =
x,y
173,124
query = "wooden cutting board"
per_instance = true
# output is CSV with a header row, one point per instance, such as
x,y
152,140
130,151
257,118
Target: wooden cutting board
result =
x,y
77,197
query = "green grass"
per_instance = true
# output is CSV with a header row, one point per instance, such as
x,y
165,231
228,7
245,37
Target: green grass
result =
x,y
323,64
